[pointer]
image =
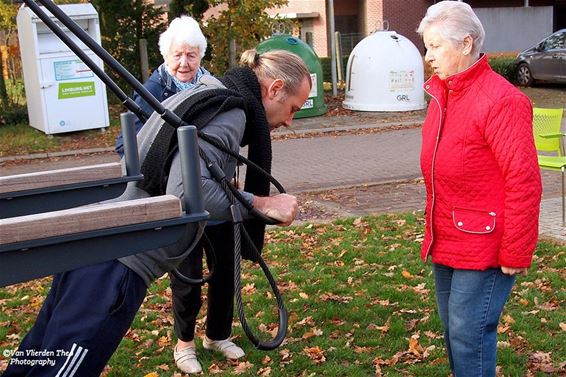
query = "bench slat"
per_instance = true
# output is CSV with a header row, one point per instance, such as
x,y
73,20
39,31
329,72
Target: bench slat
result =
x,y
29,181
89,218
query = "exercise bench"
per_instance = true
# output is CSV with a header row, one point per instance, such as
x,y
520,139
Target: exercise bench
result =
x,y
42,244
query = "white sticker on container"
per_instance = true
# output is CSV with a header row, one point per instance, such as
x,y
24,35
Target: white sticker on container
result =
x,y
71,69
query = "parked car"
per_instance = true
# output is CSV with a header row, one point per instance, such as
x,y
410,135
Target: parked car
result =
x,y
544,62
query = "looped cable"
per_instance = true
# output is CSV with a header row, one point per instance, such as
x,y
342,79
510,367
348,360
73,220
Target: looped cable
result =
x,y
210,260
236,199
241,159
219,176
282,311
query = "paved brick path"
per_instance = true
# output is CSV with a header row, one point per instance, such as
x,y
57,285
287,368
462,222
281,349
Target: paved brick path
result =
x,y
332,161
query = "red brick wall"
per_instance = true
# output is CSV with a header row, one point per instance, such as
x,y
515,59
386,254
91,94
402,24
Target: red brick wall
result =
x,y
345,7
509,3
371,16
404,18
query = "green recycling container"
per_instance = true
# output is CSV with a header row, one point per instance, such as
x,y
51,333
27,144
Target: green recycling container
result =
x,y
314,105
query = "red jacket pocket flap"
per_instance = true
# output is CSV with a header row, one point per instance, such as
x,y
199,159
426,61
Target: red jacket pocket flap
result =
x,y
473,220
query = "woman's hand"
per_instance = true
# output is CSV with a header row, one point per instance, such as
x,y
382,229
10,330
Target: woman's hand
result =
x,y
513,270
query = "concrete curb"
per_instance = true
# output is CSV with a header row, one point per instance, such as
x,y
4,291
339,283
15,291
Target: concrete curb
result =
x,y
75,152
361,126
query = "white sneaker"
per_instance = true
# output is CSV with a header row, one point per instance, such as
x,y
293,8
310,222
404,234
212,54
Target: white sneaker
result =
x,y
229,349
186,360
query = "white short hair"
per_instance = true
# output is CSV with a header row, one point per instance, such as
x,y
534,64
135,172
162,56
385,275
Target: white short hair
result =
x,y
456,20
182,30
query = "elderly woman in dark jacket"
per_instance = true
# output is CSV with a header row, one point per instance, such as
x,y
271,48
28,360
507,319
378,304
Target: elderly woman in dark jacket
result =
x,y
182,46
483,186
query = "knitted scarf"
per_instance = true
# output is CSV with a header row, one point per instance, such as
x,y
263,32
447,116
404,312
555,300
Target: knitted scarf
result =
x,y
182,85
244,92
258,139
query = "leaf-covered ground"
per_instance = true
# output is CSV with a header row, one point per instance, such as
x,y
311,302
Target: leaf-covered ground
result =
x,y
360,303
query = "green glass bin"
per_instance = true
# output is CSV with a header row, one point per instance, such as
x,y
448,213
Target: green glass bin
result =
x,y
314,105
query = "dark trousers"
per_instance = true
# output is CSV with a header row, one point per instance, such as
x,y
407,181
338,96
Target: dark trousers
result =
x,y
187,299
81,323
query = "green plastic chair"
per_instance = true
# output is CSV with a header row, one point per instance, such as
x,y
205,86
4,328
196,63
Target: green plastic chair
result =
x,y
548,140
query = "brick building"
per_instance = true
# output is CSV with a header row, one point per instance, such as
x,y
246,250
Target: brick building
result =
x,y
355,19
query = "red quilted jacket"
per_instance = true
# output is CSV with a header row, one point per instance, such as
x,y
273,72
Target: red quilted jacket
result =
x,y
480,169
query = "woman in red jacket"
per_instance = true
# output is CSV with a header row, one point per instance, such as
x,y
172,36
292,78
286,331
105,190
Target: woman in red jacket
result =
x,y
483,186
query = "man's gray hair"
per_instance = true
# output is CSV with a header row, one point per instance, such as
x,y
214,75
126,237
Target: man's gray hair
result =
x,y
182,30
456,20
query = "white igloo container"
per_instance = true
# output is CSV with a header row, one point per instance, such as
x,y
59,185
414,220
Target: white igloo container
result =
x,y
384,73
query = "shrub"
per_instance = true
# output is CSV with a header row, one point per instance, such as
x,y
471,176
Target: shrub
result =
x,y
327,73
14,114
504,65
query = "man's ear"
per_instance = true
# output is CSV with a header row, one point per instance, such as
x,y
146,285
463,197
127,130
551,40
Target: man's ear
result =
x,y
275,87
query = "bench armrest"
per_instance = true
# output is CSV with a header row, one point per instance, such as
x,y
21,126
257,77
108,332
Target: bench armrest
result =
x,y
88,218
59,177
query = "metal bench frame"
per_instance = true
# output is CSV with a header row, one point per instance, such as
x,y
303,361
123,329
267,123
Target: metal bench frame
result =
x,y
26,260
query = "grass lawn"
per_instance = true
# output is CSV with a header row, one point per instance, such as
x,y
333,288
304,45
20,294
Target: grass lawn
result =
x,y
360,303
21,139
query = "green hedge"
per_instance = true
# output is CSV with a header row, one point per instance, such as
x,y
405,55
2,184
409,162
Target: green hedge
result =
x,y
326,73
505,66
14,114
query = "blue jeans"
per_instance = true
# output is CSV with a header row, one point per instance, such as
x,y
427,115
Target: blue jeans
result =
x,y
469,304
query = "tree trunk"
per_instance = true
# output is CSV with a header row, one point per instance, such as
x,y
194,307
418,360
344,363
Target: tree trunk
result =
x,y
3,92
